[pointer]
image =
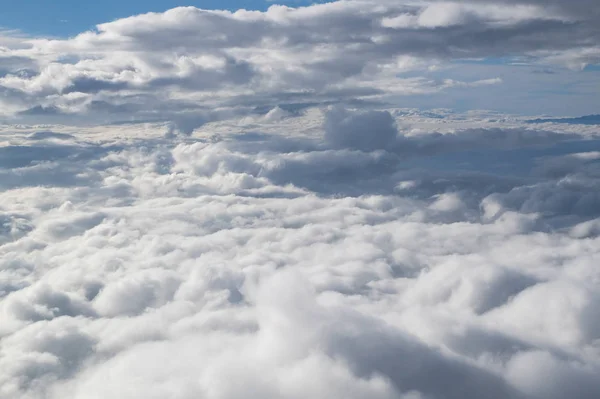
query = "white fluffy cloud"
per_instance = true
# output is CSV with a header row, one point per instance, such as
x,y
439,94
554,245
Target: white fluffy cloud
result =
x,y
188,62
334,253
241,213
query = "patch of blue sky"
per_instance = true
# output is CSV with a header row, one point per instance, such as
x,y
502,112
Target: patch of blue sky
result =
x,y
523,90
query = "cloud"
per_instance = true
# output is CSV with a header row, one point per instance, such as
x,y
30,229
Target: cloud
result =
x,y
148,65
376,254
371,130
585,120
233,206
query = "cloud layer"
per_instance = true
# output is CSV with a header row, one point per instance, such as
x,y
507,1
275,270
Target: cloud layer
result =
x,y
243,212
354,50
286,255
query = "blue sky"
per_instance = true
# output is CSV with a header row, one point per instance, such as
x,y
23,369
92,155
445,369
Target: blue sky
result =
x,y
70,17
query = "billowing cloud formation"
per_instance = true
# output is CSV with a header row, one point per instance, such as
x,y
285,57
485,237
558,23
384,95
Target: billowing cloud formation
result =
x,y
188,62
287,255
371,130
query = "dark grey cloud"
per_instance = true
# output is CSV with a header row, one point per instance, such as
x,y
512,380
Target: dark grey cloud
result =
x,y
41,110
373,130
587,9
90,85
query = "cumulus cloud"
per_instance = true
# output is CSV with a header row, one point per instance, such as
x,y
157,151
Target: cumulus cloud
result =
x,y
370,130
323,253
190,61
220,204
